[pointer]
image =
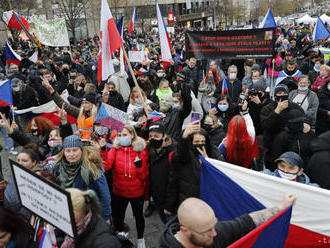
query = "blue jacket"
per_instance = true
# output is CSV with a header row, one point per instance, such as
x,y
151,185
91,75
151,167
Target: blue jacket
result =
x,y
100,186
303,178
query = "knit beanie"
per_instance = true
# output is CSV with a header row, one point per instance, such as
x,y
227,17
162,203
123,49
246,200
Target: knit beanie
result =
x,y
72,141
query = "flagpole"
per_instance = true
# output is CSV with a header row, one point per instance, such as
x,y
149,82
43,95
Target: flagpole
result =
x,y
272,81
24,29
134,78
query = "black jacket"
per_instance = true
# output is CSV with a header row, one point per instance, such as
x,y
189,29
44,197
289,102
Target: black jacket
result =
x,y
234,89
225,117
97,234
193,74
273,123
318,168
227,232
323,119
161,167
217,135
116,100
26,98
254,111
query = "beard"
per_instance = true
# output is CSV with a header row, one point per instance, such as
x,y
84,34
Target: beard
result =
x,y
196,242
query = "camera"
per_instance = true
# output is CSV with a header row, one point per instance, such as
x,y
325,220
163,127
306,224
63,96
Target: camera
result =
x,y
252,92
241,99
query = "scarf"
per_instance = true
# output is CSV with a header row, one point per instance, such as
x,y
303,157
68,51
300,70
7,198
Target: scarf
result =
x,y
69,171
81,227
160,93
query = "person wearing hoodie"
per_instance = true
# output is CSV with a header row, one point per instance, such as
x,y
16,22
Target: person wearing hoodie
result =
x,y
197,225
128,162
290,166
318,168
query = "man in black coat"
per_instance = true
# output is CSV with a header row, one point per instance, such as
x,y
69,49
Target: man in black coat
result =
x,y
192,72
197,226
112,97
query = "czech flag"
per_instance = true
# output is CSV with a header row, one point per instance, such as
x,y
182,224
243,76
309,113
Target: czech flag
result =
x,y
165,44
120,27
224,87
320,31
11,56
233,191
112,117
283,76
18,23
269,21
110,41
6,94
132,22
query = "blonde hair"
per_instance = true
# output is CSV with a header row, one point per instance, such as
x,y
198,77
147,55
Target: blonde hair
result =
x,y
91,160
136,90
132,132
215,120
93,112
326,67
83,201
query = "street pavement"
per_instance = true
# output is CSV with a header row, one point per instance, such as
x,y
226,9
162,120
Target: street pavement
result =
x,y
153,227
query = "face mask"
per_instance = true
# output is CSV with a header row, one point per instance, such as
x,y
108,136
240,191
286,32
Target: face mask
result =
x,y
160,74
211,78
296,127
34,132
16,89
283,98
53,142
176,106
207,127
156,143
100,130
254,81
223,108
138,100
66,71
232,76
195,150
111,93
287,176
125,141
13,71
302,88
317,67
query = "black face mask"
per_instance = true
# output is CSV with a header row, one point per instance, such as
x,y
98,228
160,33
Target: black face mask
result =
x,y
283,98
66,71
207,127
195,150
296,127
111,93
156,143
34,132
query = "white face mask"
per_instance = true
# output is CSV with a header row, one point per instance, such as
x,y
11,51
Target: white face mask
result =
x,y
287,176
16,89
232,76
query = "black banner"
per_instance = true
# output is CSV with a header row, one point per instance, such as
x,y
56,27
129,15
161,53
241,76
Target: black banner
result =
x,y
240,44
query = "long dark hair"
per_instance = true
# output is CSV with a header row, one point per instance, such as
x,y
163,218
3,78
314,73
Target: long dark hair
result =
x,y
13,222
208,146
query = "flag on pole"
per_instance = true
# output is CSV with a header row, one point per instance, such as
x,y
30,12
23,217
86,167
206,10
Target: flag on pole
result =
x,y
272,234
224,87
269,21
283,76
320,31
120,27
132,22
48,238
233,191
112,117
6,94
11,56
109,43
165,44
17,23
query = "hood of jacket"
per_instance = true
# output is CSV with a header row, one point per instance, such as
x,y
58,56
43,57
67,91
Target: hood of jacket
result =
x,y
168,239
138,144
321,143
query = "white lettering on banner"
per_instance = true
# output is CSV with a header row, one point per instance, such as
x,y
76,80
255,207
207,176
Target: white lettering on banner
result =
x,y
137,56
44,198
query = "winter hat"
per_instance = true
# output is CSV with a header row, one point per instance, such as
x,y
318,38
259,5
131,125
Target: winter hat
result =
x,y
157,128
14,82
296,115
142,71
255,67
181,76
90,97
281,88
292,159
72,141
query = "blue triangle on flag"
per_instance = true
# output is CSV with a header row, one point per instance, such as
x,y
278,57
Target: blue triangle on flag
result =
x,y
120,25
320,30
103,113
227,198
6,96
269,20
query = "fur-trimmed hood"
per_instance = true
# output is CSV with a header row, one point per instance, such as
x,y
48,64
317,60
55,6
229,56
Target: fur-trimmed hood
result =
x,y
138,144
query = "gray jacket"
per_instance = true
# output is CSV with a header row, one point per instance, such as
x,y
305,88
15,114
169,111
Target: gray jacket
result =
x,y
313,104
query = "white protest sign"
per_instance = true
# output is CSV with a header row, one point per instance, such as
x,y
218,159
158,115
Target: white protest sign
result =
x,y
44,199
137,56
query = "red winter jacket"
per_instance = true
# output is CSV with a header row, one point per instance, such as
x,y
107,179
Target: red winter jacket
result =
x,y
319,82
128,180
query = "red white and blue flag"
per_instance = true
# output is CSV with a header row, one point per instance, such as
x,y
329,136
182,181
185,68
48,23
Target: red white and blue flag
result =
x,y
13,58
283,76
224,87
6,95
268,21
110,41
165,44
48,238
233,191
12,22
132,22
320,32
112,117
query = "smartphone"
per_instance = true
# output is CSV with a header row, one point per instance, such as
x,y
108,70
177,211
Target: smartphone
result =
x,y
194,116
241,99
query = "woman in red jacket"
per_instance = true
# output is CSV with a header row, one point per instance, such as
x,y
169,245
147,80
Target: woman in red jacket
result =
x,y
128,159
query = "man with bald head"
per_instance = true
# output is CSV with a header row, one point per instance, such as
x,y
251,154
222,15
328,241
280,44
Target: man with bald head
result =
x,y
197,226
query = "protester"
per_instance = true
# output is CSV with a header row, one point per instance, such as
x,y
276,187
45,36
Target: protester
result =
x,y
111,96
322,78
214,129
197,226
207,88
323,113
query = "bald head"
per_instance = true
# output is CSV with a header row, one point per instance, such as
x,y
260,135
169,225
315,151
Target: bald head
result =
x,y
196,214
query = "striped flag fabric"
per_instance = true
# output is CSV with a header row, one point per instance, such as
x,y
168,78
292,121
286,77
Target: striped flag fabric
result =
x,y
233,191
6,94
48,238
132,22
165,44
120,27
283,76
110,41
112,117
11,56
224,87
320,31
18,23
268,21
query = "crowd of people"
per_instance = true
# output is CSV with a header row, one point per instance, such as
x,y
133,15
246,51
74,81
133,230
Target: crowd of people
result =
x,y
278,125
